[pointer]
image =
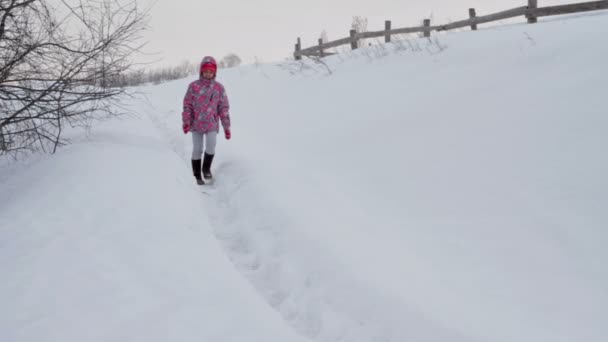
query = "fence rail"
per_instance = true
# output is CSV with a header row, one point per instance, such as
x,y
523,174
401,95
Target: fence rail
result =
x,y
531,12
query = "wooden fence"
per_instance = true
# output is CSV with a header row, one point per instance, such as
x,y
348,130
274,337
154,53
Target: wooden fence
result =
x,y
531,12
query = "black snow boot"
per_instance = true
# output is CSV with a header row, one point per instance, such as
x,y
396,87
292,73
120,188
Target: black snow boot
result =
x,y
196,170
207,165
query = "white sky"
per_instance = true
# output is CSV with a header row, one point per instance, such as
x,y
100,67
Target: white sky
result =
x,y
267,29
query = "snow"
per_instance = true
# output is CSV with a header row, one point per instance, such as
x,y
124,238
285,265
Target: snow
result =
x,y
451,190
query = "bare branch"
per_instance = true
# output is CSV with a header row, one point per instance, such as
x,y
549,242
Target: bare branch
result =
x,y
55,65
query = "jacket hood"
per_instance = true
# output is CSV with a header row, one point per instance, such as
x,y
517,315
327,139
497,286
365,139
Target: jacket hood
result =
x,y
207,60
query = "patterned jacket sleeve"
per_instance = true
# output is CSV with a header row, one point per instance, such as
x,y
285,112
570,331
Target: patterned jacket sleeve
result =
x,y
188,112
223,109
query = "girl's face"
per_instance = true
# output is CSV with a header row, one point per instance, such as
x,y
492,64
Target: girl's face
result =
x,y
208,74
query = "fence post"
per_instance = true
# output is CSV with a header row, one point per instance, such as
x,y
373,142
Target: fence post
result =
x,y
387,34
298,48
472,15
532,4
353,39
321,52
427,23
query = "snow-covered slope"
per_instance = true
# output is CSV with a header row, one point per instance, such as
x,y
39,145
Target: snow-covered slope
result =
x,y
452,190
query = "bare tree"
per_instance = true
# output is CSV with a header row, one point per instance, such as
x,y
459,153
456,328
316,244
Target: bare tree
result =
x,y
359,24
55,66
160,75
323,36
231,60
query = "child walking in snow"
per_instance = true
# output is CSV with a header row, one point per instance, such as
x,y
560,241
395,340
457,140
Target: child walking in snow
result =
x,y
205,106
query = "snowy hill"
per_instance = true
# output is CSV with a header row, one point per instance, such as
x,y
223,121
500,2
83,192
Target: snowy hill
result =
x,y
452,190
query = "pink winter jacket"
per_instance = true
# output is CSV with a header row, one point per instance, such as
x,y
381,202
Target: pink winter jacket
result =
x,y
205,105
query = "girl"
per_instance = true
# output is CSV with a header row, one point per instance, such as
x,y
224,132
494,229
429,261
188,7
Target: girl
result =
x,y
205,106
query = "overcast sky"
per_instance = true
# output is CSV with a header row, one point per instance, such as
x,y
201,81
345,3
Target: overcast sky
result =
x,y
267,29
